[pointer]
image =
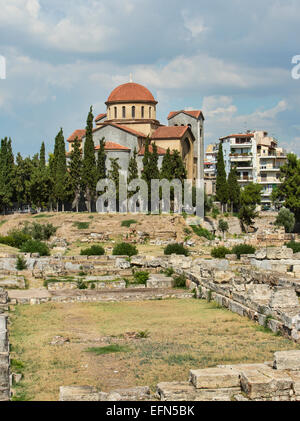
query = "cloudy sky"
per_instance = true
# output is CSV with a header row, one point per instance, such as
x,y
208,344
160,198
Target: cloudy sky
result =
x,y
231,59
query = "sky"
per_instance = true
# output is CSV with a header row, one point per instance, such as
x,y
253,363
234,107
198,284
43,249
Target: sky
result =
x,y
232,60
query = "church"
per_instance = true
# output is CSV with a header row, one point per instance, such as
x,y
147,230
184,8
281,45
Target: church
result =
x,y
131,117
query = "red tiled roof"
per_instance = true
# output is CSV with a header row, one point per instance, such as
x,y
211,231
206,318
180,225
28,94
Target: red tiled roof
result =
x,y
160,151
170,132
100,117
196,113
121,127
131,92
111,146
242,135
78,133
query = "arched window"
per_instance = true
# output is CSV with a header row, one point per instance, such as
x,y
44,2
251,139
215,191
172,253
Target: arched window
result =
x,y
116,112
133,112
143,112
150,112
123,112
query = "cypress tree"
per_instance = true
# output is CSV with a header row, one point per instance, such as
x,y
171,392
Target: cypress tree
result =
x,y
167,167
146,172
234,190
89,169
43,156
60,186
178,167
133,171
114,175
101,161
6,174
221,182
75,168
153,163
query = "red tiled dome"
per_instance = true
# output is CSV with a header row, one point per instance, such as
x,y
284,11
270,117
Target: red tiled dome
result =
x,y
131,92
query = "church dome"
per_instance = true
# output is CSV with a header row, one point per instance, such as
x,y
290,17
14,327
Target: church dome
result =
x,y
131,93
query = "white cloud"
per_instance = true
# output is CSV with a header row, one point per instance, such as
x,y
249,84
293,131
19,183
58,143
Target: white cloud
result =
x,y
194,24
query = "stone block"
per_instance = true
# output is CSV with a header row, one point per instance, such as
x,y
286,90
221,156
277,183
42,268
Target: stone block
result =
x,y
279,253
184,391
265,383
287,360
214,378
78,393
222,277
282,298
160,281
134,394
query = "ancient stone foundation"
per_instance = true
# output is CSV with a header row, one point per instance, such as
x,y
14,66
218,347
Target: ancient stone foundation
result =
x,y
4,351
271,381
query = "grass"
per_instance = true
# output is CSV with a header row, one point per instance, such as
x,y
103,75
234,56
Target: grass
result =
x,y
43,215
110,349
181,335
82,225
128,223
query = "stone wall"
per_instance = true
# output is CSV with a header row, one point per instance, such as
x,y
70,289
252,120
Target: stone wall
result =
x,y
4,351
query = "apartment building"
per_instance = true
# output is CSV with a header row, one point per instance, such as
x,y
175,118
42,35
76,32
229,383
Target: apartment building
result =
x,y
255,155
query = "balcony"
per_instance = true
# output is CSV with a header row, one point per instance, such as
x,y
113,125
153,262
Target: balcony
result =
x,y
241,158
267,168
269,181
245,179
241,145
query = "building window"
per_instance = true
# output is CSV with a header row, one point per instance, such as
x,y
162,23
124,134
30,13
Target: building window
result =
x,y
133,112
143,112
123,112
150,112
116,112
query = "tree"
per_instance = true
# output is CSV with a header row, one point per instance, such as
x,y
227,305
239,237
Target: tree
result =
x,y
223,227
89,169
250,198
101,161
133,172
178,166
221,182
7,170
167,167
146,172
153,163
234,190
286,219
75,169
21,180
60,166
43,156
114,175
289,190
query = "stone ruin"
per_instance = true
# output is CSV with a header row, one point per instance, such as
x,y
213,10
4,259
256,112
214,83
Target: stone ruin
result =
x,y
4,350
270,381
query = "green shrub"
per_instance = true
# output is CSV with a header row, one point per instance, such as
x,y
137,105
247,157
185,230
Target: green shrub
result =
x,y
41,232
243,249
35,246
294,246
215,212
180,281
176,249
143,334
15,238
95,250
128,223
21,263
168,271
220,252
202,232
286,219
141,277
125,249
82,225
81,285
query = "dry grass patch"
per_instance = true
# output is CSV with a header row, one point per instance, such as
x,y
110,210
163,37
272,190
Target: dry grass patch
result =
x,y
182,334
